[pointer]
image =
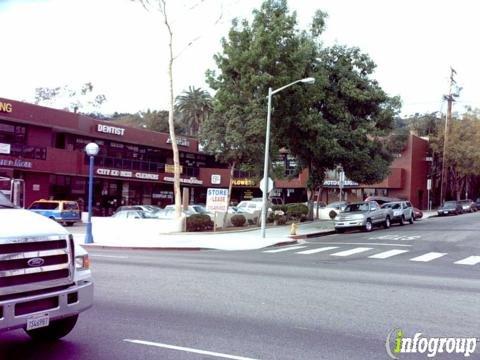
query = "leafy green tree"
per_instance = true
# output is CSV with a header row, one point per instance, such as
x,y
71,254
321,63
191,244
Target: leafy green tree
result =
x,y
341,120
462,155
79,99
194,105
150,119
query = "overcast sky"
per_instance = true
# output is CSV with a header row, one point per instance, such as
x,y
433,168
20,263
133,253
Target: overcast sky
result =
x,y
122,49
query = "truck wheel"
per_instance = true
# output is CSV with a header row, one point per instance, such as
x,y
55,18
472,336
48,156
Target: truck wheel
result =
x,y
387,222
411,219
402,220
368,225
56,330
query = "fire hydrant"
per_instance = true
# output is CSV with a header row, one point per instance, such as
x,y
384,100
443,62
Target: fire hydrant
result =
x,y
293,229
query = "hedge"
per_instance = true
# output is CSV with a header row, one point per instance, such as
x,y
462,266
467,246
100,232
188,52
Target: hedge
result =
x,y
238,220
199,222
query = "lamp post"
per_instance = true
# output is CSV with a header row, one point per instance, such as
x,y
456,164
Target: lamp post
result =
x,y
309,80
91,150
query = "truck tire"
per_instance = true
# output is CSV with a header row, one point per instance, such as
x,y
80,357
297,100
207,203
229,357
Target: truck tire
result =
x,y
368,225
56,330
411,219
402,220
387,222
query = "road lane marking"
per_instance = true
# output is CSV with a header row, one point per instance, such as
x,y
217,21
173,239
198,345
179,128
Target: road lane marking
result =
x,y
351,251
471,260
394,237
428,257
109,256
284,249
314,251
352,243
186,349
387,254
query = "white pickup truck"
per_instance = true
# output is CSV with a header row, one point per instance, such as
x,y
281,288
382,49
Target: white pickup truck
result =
x,y
45,280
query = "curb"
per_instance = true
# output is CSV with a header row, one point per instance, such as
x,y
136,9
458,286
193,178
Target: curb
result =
x,y
313,234
115,247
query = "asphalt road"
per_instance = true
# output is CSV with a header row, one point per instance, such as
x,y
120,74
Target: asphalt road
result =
x,y
322,299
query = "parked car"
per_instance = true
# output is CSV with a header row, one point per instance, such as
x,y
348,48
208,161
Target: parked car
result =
x,y
65,212
417,213
192,209
382,199
365,215
324,212
468,205
402,211
149,208
477,202
134,214
450,208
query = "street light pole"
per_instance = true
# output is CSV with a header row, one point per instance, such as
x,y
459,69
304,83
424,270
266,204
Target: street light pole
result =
x,y
265,165
271,92
91,150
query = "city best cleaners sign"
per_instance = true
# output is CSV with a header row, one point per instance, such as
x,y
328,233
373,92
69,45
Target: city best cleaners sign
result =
x,y
217,200
127,174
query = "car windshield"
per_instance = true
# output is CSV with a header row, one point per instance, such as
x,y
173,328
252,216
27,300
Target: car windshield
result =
x,y
395,206
450,204
44,205
356,207
4,202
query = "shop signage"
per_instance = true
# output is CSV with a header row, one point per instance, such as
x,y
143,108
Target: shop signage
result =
x,y
4,148
217,199
216,179
163,195
182,141
127,174
16,163
244,182
6,107
194,181
336,183
171,168
110,130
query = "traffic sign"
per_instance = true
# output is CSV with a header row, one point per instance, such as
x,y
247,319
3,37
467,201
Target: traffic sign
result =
x,y
269,184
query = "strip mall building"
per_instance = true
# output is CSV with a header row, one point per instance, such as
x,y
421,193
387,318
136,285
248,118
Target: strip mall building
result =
x,y
45,148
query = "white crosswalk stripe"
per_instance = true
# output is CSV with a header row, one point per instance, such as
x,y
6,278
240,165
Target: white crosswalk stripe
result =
x,y
387,254
471,260
352,251
428,257
314,251
285,249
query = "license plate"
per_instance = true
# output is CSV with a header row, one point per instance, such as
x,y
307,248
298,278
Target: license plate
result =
x,y
38,321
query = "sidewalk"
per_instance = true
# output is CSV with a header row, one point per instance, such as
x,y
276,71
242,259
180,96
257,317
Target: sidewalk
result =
x,y
248,239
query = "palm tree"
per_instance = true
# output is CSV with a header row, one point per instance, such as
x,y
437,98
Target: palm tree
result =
x,y
195,105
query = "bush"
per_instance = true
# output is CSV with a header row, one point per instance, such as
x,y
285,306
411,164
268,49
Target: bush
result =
x,y
296,211
332,214
279,208
238,220
199,222
270,218
280,219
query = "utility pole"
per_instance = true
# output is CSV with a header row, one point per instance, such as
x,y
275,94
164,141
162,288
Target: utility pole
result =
x,y
450,99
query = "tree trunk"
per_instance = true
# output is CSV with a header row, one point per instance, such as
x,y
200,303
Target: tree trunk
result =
x,y
319,197
171,125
